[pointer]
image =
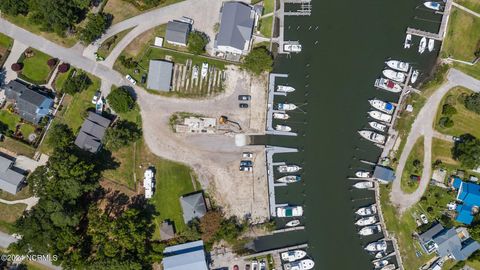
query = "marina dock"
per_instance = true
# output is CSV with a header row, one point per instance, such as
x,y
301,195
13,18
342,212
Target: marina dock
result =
x,y
275,254
270,105
443,25
304,10
269,152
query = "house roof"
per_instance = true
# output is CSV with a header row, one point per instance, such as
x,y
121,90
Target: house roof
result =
x,y
160,75
456,183
92,132
449,243
193,206
236,25
469,193
177,32
9,179
464,214
186,256
430,233
383,174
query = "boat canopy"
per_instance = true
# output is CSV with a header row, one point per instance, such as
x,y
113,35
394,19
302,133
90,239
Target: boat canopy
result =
x,y
389,106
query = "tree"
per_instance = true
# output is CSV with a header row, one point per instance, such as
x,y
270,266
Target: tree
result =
x,y
258,60
96,25
77,83
55,15
121,135
127,62
120,100
448,110
197,42
467,151
445,122
59,136
14,7
63,67
472,102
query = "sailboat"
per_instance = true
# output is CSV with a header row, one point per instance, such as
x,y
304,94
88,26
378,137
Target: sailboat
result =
x,y
423,45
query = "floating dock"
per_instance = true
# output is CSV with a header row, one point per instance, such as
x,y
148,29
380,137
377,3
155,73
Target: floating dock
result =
x,y
270,105
443,25
305,10
275,254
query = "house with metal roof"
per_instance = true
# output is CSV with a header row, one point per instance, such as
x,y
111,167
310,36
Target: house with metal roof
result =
x,y
31,105
188,256
160,75
193,206
92,132
11,180
177,33
236,27
469,196
383,174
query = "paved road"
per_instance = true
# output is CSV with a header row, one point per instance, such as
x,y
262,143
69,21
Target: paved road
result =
x,y
30,202
423,126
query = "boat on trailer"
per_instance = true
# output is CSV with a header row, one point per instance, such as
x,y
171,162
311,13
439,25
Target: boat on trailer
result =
x,y
388,85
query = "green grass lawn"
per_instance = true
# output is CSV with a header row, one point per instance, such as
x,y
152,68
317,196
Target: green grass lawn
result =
x,y
473,5
12,120
463,36
18,147
465,121
35,68
22,194
5,41
10,213
268,6
60,79
122,10
408,185
266,26
441,150
108,45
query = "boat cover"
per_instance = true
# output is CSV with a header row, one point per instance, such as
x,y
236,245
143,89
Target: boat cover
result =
x,y
390,84
388,106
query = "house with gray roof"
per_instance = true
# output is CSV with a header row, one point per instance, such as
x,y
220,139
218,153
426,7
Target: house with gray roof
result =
x,y
177,33
160,75
188,256
193,206
236,27
31,105
11,180
383,174
92,132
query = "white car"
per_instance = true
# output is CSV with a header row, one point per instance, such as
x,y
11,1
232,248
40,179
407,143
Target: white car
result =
x,y
130,79
424,218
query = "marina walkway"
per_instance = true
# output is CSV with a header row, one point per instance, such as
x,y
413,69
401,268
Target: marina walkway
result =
x,y
271,107
280,13
443,25
423,126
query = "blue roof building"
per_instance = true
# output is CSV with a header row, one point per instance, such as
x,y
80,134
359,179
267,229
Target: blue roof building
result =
x,y
186,256
383,174
469,195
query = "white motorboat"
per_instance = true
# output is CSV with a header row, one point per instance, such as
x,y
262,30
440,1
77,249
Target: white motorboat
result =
x,y
372,136
296,48
414,77
380,263
431,44
365,221
293,223
394,75
285,89
398,65
289,179
293,255
388,85
370,230
422,45
289,211
380,255
377,126
363,185
280,115
286,106
195,72
283,128
362,174
288,168
433,5
408,41
377,246
204,70
367,210
389,267
382,106
306,264
380,116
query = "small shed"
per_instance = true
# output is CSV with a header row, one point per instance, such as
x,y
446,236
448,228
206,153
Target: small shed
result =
x,y
160,74
167,231
177,33
193,206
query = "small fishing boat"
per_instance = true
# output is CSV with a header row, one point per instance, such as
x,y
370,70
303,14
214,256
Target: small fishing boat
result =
x,y
293,255
292,47
398,65
372,136
394,75
388,85
408,41
280,115
414,77
306,264
382,106
377,246
389,267
283,128
289,179
285,89
293,223
367,210
381,263
380,116
289,211
195,72
423,45
433,5
377,126
370,230
431,44
363,185
288,168
286,106
362,174
365,221
204,70
380,255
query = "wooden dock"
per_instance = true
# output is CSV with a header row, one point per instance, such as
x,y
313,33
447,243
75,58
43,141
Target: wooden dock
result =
x,y
279,250
443,25
280,13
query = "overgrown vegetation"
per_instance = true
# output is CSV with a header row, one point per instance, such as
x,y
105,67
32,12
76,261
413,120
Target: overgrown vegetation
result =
x,y
76,82
122,134
258,60
95,27
197,42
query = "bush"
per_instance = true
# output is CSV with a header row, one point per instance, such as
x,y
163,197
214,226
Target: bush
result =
x,y
258,60
448,110
446,122
120,100
17,67
197,42
51,62
128,62
64,67
472,102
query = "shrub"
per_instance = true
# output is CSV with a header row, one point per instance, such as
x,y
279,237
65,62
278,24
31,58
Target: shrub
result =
x,y
120,100
448,110
472,102
197,42
17,67
127,62
51,62
446,122
64,67
258,61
